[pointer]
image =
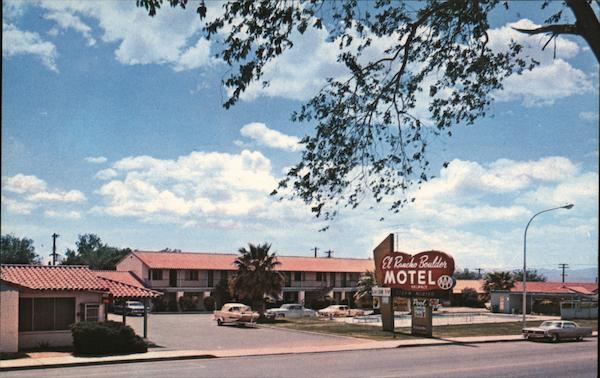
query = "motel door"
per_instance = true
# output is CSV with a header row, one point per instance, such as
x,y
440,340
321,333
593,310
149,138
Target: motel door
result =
x,y
173,277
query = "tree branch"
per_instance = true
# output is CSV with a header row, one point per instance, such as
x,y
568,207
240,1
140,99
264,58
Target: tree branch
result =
x,y
554,29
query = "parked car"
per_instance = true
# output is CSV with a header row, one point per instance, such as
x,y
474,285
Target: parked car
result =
x,y
130,308
235,313
340,310
290,310
556,330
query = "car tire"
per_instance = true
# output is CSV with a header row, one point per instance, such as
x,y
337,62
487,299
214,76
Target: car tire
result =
x,y
579,338
554,338
219,322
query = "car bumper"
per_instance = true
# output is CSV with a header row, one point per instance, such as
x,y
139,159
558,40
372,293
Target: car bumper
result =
x,y
533,335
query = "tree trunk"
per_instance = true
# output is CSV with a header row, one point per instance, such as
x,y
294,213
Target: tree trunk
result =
x,y
587,24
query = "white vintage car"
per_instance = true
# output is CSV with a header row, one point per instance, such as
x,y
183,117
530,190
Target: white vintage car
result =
x,y
235,313
340,310
290,310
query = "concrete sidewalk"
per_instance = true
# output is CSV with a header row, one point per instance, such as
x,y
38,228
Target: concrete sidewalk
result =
x,y
69,360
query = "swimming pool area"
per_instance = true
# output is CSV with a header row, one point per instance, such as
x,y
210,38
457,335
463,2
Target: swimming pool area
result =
x,y
439,319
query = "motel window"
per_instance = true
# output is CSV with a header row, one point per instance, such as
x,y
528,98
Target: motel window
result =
x,y
332,278
157,274
287,279
46,314
209,278
224,274
297,276
320,276
192,275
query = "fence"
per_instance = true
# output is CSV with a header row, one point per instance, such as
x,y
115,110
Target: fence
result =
x,y
579,310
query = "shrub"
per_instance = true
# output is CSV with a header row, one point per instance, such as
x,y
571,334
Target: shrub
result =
x,y
159,304
470,298
106,338
186,304
209,303
172,306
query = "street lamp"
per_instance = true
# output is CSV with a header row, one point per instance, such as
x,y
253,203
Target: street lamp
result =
x,y
524,309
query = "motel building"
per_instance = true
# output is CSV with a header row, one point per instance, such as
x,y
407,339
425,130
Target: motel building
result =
x,y
38,304
195,275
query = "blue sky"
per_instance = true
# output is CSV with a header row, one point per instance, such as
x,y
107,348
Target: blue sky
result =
x,y
112,124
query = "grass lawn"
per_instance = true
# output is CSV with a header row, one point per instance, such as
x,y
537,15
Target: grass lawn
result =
x,y
375,333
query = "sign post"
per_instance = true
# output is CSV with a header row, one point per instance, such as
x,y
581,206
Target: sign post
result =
x,y
422,276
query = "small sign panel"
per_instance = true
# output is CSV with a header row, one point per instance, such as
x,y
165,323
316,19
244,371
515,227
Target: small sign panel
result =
x,y
381,291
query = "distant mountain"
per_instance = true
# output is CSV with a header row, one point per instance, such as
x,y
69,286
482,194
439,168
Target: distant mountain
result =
x,y
572,275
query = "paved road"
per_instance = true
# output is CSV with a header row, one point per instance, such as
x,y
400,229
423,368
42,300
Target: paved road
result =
x,y
514,359
199,331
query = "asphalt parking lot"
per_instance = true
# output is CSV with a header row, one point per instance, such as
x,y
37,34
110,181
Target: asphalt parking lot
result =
x,y
200,331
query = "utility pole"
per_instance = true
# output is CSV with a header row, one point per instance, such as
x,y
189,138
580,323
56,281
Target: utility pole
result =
x,y
329,253
479,272
315,249
563,267
54,254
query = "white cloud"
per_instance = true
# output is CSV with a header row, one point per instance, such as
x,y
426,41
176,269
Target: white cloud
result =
x,y
66,20
21,183
299,73
581,191
502,176
57,196
18,42
545,84
13,9
30,193
553,79
270,138
170,38
194,57
589,116
195,187
62,214
96,159
106,174
18,207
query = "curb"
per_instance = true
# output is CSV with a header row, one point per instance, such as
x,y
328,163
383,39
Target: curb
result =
x,y
110,362
211,356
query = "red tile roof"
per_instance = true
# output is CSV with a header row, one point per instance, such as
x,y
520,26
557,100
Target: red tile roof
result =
x,y
124,277
472,284
220,261
61,277
120,289
587,288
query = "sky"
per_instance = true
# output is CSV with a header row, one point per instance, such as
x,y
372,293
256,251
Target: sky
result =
x,y
112,123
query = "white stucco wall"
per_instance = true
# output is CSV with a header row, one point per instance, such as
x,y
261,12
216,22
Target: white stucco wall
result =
x,y
34,339
9,319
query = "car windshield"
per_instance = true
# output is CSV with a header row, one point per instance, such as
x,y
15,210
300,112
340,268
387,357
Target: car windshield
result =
x,y
551,324
132,303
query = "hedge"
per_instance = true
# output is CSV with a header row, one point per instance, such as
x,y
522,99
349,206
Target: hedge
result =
x,y
106,338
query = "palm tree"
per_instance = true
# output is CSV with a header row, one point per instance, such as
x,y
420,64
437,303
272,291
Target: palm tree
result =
x,y
256,275
364,285
495,281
